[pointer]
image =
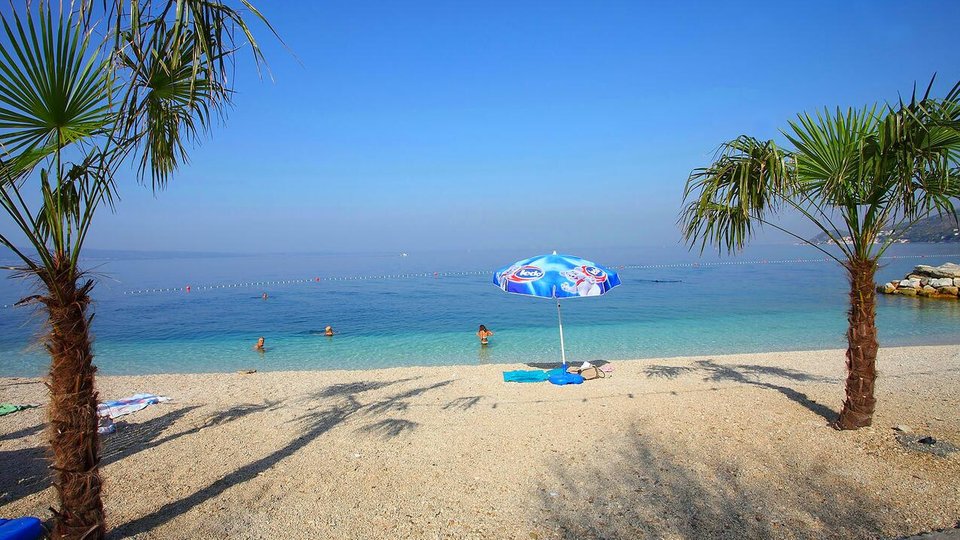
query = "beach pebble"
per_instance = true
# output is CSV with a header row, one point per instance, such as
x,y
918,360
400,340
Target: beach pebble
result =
x,y
903,428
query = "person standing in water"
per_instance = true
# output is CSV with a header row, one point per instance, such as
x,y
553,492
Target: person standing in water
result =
x,y
328,331
259,347
483,334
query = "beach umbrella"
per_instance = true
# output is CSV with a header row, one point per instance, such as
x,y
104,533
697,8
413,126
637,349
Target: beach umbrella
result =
x,y
557,277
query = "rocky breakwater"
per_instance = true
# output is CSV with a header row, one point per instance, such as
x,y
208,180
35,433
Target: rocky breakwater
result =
x,y
934,281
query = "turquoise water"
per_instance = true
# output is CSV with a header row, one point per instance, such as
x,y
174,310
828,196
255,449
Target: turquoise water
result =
x,y
428,319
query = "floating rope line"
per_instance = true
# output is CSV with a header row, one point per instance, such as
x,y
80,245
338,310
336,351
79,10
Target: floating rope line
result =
x,y
437,275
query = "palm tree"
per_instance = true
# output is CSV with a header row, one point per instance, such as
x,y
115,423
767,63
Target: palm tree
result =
x,y
852,174
94,91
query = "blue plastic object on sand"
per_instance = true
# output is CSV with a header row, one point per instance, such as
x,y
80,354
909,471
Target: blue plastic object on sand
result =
x,y
25,528
563,378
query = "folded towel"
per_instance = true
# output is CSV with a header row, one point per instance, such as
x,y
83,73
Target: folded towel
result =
x,y
121,407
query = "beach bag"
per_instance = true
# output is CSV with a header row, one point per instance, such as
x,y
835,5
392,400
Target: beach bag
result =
x,y
588,374
591,373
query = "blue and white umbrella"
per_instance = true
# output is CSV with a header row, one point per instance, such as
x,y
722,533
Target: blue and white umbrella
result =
x,y
556,276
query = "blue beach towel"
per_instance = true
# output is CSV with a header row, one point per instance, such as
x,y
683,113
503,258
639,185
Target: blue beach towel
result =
x,y
520,375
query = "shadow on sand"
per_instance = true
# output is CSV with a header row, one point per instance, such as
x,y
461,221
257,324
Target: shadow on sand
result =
x,y
23,472
25,432
654,489
750,374
321,417
26,471
552,365
132,438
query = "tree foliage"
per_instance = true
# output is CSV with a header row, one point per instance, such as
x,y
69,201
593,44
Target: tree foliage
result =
x,y
92,91
851,173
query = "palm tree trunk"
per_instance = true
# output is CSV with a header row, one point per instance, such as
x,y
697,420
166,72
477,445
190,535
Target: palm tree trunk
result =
x,y
72,413
862,347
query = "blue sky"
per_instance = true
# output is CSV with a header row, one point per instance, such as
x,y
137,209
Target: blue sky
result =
x,y
449,125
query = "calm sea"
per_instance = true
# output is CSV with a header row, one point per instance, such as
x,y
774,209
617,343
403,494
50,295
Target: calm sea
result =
x,y
429,314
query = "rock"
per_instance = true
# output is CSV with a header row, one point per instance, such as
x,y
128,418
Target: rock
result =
x,y
950,270
949,291
941,282
909,283
956,282
926,443
902,428
927,291
907,291
888,288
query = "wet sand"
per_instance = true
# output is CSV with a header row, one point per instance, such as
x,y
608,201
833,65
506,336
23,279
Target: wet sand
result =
x,y
703,447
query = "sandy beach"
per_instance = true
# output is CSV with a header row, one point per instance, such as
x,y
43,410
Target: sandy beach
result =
x,y
702,447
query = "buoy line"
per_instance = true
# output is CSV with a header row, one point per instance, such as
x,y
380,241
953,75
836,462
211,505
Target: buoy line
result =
x,y
246,284
437,275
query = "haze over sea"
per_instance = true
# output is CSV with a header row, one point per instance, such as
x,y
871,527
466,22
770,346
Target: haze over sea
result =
x,y
742,305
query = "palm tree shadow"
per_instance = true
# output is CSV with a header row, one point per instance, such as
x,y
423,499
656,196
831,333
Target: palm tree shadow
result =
x,y
552,365
667,372
654,490
389,428
749,374
25,432
313,424
27,470
464,403
132,438
357,387
24,472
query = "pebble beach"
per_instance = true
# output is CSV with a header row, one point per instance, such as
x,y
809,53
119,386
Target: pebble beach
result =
x,y
734,446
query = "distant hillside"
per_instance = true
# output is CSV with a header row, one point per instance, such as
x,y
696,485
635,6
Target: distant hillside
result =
x,y
932,229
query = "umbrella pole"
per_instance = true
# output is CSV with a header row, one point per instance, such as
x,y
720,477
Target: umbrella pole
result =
x,y
563,353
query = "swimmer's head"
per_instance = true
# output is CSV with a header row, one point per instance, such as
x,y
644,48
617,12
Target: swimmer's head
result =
x,y
482,328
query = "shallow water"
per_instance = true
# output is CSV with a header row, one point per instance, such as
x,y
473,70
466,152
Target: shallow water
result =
x,y
430,319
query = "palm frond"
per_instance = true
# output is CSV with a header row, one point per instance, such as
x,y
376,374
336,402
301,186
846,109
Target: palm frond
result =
x,y
53,89
171,104
729,197
872,168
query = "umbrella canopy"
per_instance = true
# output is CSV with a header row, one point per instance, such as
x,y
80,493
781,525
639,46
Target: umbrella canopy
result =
x,y
556,276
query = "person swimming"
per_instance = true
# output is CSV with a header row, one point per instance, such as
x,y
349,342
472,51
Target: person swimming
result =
x,y
328,331
483,334
260,345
